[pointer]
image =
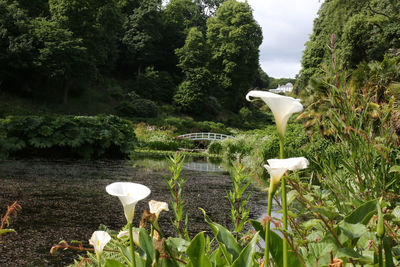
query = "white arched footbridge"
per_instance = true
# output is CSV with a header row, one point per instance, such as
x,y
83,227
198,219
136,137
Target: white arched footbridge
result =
x,y
205,136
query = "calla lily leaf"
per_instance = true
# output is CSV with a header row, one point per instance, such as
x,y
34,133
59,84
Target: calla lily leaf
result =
x,y
113,263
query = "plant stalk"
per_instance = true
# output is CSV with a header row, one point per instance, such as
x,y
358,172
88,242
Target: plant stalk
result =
x,y
267,225
284,209
132,248
380,256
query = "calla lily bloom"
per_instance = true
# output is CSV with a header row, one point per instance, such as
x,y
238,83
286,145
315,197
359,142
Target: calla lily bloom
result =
x,y
98,240
277,167
129,194
156,207
281,106
135,236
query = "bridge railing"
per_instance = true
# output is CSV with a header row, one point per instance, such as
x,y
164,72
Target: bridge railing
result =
x,y
205,136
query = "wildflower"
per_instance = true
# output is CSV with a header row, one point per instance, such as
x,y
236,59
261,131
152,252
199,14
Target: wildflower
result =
x,y
281,106
157,206
98,240
129,194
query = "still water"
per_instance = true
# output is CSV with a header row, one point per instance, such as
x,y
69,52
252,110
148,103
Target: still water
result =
x,y
66,200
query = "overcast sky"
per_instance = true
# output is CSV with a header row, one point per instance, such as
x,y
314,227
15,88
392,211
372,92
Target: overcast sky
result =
x,y
286,26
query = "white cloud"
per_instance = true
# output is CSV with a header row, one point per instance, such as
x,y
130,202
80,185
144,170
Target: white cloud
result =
x,y
286,26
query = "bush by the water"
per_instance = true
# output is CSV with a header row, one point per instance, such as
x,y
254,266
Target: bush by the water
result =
x,y
136,106
188,125
66,136
151,137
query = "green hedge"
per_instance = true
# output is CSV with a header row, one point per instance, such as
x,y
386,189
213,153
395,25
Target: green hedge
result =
x,y
66,136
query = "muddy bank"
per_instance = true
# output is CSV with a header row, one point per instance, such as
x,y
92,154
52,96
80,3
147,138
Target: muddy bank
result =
x,y
66,200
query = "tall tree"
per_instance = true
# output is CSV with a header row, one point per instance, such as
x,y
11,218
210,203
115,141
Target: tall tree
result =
x,y
192,94
234,38
16,49
143,33
365,31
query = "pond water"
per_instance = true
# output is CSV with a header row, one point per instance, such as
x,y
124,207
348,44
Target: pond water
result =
x,y
66,200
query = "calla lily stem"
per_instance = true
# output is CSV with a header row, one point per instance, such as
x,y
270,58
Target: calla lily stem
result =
x,y
284,207
267,225
131,245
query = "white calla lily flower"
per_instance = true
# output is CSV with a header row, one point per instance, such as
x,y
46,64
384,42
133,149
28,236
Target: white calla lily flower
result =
x,y
135,236
281,106
129,194
156,207
98,240
277,167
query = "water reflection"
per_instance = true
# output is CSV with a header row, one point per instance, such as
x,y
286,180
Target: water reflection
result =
x,y
158,163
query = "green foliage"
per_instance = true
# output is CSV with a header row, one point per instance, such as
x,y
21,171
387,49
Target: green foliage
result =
x,y
66,136
155,85
238,199
366,31
134,106
175,185
233,37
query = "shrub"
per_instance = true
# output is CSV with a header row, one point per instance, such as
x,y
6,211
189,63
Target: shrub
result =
x,y
66,136
135,106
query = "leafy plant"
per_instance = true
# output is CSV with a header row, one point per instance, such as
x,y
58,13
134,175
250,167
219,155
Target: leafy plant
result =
x,y
63,136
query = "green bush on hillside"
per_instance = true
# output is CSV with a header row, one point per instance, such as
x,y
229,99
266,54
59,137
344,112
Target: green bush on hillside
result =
x,y
135,106
66,136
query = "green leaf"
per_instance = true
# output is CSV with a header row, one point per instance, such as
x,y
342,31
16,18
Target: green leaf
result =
x,y
395,168
349,253
276,248
276,245
179,244
363,213
3,231
113,263
217,258
352,231
388,252
225,237
146,244
320,249
196,251
246,257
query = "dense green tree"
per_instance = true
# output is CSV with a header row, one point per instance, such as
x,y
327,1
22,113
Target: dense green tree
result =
x,y
155,85
61,59
234,38
262,80
96,22
143,32
365,31
16,48
192,94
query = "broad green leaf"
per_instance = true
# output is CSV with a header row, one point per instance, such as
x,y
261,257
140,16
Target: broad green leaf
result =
x,y
276,248
352,231
320,249
246,256
179,244
224,236
363,213
388,252
276,244
147,245
196,251
217,258
113,263
328,212
125,253
350,253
